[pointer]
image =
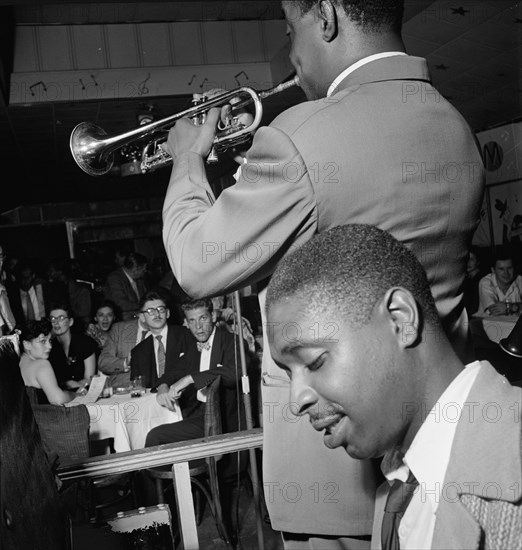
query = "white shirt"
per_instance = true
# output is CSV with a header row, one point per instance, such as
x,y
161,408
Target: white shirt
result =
x,y
31,295
335,84
428,459
490,293
204,364
163,335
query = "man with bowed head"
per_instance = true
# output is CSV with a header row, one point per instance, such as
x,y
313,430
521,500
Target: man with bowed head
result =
x,y
343,156
374,389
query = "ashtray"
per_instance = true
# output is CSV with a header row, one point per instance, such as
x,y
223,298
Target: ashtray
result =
x,y
121,391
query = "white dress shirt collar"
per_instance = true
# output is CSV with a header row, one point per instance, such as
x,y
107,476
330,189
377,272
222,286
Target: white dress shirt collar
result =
x,y
428,458
335,84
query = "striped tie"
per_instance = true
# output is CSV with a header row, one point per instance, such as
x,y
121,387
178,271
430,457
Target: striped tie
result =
x,y
161,356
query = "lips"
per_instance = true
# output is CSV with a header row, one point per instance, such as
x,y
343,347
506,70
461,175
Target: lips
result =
x,y
333,426
325,422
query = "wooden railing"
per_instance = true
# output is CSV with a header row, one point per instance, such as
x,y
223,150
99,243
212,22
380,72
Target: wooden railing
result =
x,y
175,454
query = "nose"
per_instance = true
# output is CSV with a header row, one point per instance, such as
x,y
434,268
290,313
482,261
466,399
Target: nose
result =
x,y
303,395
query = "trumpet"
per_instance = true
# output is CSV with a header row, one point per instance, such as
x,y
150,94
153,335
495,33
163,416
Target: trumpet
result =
x,y
93,150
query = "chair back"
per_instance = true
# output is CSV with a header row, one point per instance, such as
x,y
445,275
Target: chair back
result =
x,y
64,430
213,409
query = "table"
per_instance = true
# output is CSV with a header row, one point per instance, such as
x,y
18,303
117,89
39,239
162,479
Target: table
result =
x,y
128,419
498,327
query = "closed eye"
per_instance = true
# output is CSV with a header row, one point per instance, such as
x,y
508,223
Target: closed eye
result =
x,y
317,363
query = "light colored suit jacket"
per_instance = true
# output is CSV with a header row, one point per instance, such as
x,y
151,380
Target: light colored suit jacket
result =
x,y
388,150
481,503
121,339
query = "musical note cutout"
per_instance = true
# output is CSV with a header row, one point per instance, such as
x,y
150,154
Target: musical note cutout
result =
x,y
39,83
203,83
81,82
191,80
94,80
242,73
142,86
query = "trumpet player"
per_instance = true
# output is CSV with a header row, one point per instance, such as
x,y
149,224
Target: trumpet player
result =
x,y
375,143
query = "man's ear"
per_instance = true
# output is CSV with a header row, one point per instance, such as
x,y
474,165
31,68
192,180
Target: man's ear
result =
x,y
404,315
327,13
214,316
71,321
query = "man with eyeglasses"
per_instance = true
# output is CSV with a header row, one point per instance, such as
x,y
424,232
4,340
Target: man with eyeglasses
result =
x,y
213,353
157,355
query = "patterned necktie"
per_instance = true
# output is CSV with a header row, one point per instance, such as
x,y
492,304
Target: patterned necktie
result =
x,y
398,499
203,345
161,356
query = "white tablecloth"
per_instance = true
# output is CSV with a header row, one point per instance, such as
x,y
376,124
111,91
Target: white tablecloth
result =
x,y
498,327
128,419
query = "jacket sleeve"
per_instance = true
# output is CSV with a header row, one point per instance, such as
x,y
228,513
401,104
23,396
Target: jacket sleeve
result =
x,y
217,246
109,362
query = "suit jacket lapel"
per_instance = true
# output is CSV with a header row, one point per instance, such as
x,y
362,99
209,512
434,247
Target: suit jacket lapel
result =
x,y
215,352
490,425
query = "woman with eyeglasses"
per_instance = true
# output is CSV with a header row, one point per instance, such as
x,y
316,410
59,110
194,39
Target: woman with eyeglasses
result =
x,y
37,372
73,356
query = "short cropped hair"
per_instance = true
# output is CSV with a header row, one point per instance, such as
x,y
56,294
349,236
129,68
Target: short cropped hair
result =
x,y
195,304
150,296
370,15
346,270
32,329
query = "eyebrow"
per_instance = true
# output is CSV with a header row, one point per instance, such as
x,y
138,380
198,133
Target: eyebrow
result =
x,y
291,348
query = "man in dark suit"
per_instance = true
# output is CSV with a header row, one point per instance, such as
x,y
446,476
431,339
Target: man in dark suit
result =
x,y
376,143
157,355
126,285
212,353
369,362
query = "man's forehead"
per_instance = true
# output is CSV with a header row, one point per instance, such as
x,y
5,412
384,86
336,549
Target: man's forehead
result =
x,y
154,303
504,263
197,312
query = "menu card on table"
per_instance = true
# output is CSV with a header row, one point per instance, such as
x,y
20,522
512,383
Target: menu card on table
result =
x,y
95,390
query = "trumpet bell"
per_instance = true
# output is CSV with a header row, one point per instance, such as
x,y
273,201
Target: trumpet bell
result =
x,y
88,149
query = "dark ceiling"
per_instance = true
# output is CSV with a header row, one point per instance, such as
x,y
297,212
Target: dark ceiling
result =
x,y
473,47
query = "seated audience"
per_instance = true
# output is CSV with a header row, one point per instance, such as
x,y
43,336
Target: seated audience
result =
x,y
63,288
114,359
126,285
73,356
27,295
7,319
355,327
104,317
155,357
474,274
37,372
212,353
500,292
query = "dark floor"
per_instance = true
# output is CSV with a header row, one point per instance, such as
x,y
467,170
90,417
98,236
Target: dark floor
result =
x,y
100,536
